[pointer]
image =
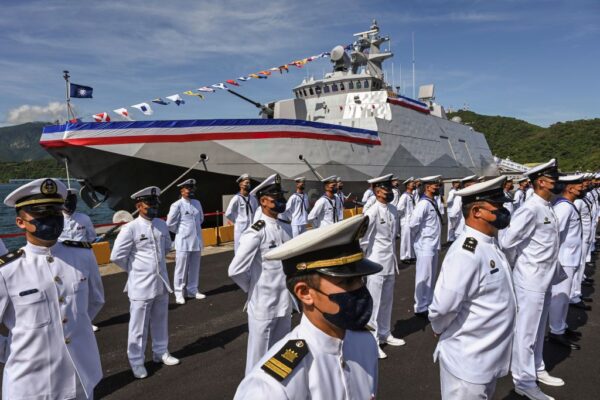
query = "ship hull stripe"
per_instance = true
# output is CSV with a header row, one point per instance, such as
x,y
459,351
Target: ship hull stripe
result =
x,y
406,104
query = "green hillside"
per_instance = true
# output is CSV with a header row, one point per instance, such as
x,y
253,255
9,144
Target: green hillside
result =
x,y
31,169
21,142
576,144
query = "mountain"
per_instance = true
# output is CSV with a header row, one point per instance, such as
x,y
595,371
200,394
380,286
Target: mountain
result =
x,y
576,144
21,142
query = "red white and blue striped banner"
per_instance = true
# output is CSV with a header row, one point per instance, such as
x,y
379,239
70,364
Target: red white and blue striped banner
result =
x,y
409,103
116,133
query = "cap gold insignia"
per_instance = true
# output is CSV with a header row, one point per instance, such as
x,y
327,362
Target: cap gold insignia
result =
x,y
299,343
290,355
48,187
492,264
301,266
278,179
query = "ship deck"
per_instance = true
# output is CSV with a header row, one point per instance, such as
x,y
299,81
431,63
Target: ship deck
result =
x,y
209,336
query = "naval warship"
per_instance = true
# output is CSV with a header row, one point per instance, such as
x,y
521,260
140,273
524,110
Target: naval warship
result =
x,y
351,123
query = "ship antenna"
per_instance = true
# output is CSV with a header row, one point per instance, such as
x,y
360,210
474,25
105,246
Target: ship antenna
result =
x,y
413,65
70,114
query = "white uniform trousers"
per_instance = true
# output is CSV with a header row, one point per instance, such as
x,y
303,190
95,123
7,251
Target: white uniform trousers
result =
x,y
578,278
426,271
454,388
187,271
530,329
559,303
381,288
262,334
144,313
451,237
80,391
298,229
406,243
237,234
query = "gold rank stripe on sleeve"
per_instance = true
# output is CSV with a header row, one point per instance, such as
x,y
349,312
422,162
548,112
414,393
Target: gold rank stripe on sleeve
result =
x,y
281,365
9,257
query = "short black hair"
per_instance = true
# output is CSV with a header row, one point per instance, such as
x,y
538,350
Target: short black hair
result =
x,y
310,279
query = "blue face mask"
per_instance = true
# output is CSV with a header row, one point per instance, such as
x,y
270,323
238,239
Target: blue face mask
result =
x,y
48,227
152,212
355,311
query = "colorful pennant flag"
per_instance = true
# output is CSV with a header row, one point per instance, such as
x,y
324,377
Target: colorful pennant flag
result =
x,y
160,101
264,73
220,86
101,117
244,78
144,108
176,99
122,112
283,67
232,82
206,89
198,95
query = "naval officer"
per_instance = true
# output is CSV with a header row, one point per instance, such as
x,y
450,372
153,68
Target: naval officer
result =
x,y
185,222
455,216
49,293
340,198
529,192
426,222
77,226
474,306
140,249
508,187
241,209
269,304
379,246
519,196
451,236
406,205
367,194
532,240
325,210
297,206
330,354
570,232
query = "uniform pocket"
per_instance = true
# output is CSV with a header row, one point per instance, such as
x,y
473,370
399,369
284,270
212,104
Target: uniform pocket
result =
x,y
80,297
31,311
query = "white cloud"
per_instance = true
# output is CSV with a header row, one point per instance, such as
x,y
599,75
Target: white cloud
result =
x,y
30,113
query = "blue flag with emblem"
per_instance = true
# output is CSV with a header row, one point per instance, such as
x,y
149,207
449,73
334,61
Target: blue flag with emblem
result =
x,y
80,91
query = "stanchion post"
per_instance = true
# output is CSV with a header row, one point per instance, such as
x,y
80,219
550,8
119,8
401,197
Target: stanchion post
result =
x,y
218,226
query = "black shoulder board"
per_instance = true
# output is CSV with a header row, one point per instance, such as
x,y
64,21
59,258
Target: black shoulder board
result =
x,y
10,257
258,225
284,221
470,244
281,365
81,245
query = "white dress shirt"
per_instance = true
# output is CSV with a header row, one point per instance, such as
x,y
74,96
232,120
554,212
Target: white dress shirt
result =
x,y
406,206
185,220
241,210
324,212
78,227
379,241
426,225
297,206
570,233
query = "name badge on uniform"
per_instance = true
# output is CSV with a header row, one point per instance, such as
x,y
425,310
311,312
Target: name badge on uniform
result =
x,y
143,237
28,292
546,220
493,267
382,221
273,245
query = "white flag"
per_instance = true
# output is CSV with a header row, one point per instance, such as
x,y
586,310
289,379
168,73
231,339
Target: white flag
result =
x,y
244,78
220,86
144,107
176,99
123,113
206,89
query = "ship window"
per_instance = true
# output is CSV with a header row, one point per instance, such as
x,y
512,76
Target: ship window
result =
x,y
299,94
350,85
366,84
304,92
358,85
310,90
318,90
334,87
342,86
326,89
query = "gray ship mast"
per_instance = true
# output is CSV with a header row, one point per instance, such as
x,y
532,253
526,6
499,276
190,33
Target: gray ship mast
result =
x,y
367,52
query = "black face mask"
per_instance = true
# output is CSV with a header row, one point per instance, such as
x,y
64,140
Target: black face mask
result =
x,y
70,204
301,187
279,205
356,308
502,218
340,188
334,190
436,192
558,188
48,228
152,212
389,197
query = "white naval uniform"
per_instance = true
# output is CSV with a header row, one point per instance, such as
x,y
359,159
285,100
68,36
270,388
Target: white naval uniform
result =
x,y
269,303
297,206
48,298
519,198
367,195
3,249
569,257
592,198
333,369
370,202
241,211
450,237
140,249
532,239
78,227
427,226
473,311
185,220
339,205
585,210
456,217
378,244
324,212
528,193
406,205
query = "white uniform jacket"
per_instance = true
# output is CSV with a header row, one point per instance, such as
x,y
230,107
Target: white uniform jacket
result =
x,y
529,193
379,241
185,220
241,210
519,198
78,227
297,206
48,298
263,280
367,194
570,233
474,309
509,205
324,212
450,199
532,239
140,249
585,210
406,206
333,369
426,224
396,198
370,202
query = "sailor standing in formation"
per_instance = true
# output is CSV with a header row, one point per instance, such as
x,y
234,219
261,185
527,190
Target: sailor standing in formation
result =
x,y
297,206
455,215
49,293
185,222
529,192
140,249
474,306
396,200
451,236
379,246
241,209
532,241
330,354
269,304
585,209
340,198
406,205
519,195
325,211
77,226
426,222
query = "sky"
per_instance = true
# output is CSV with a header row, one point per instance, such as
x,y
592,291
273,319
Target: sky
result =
x,y
536,60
